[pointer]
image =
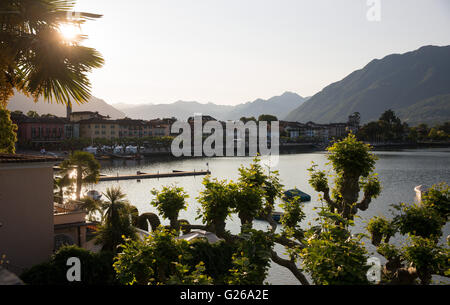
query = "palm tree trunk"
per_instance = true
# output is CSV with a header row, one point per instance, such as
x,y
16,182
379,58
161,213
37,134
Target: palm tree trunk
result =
x,y
79,182
61,194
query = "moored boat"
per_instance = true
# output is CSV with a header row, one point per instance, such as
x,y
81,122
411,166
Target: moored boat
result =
x,y
276,216
420,191
293,193
93,194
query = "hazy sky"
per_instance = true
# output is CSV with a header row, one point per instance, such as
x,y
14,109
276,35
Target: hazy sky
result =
x,y
234,51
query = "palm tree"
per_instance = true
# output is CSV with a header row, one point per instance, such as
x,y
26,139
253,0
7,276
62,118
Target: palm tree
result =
x,y
87,169
34,56
115,206
91,206
59,184
116,220
36,60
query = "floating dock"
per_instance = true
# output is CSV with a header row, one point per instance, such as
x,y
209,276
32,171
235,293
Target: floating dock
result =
x,y
140,175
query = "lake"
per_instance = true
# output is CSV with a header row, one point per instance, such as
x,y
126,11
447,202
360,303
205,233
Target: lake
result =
x,y
399,173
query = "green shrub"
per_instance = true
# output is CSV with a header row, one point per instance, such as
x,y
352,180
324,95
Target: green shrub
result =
x,y
380,228
333,256
96,269
158,259
438,198
216,258
419,220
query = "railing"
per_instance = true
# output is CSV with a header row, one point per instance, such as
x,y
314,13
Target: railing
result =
x,y
68,206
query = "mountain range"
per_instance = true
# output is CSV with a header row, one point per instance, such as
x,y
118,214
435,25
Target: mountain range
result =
x,y
279,106
23,103
416,85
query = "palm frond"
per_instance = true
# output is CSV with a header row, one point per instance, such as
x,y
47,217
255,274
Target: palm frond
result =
x,y
34,57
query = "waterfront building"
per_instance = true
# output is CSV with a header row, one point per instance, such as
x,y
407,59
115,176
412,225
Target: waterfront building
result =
x,y
26,210
98,127
161,127
39,131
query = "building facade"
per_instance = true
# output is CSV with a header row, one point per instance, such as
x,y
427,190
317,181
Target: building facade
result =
x,y
26,210
39,131
95,128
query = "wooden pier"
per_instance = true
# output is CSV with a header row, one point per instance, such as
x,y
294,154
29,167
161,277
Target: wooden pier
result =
x,y
140,175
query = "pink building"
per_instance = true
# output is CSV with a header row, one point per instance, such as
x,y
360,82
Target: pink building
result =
x,y
39,131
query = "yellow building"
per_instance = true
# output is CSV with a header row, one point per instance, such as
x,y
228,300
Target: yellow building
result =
x,y
94,128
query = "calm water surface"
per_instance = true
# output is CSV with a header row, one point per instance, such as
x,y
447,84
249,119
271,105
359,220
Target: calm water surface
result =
x,y
399,172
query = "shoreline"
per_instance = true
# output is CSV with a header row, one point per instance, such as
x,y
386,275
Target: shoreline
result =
x,y
283,150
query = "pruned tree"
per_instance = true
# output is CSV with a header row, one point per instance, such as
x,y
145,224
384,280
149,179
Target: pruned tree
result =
x,y
169,201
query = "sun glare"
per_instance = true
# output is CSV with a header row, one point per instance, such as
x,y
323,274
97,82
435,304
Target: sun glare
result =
x,y
69,31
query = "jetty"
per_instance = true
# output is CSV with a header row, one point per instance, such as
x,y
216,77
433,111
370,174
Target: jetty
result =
x,y
140,175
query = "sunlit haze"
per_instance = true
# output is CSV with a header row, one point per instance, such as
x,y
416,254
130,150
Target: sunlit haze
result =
x,y
69,31
234,51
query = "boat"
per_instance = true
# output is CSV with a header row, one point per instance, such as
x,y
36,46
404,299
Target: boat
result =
x,y
91,149
293,193
276,216
93,194
127,157
420,191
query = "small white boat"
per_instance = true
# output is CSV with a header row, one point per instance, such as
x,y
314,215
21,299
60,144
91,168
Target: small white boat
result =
x,y
420,191
93,194
91,149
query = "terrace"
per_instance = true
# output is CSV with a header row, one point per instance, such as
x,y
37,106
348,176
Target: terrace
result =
x,y
70,224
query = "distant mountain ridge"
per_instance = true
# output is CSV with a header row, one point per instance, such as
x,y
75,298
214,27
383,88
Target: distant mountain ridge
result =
x,y
25,104
279,106
416,85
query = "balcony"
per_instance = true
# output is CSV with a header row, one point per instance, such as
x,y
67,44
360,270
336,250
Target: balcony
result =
x,y
68,213
70,224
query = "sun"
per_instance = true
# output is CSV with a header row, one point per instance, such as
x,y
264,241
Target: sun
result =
x,y
69,31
